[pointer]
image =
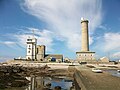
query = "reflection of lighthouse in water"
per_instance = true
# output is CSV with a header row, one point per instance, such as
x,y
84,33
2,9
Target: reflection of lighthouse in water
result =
x,y
35,83
40,83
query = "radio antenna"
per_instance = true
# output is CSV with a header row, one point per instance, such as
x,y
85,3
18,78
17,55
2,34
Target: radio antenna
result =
x,y
33,33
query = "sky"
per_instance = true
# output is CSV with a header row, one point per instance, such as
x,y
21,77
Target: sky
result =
x,y
56,24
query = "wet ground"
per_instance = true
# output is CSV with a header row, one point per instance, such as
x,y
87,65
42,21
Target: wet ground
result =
x,y
40,83
114,72
96,81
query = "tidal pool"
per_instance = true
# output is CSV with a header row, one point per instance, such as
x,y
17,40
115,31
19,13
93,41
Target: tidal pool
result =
x,y
114,73
38,83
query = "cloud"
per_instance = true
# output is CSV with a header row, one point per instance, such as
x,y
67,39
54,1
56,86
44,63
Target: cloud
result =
x,y
63,17
109,42
44,37
8,43
18,40
104,27
117,54
112,41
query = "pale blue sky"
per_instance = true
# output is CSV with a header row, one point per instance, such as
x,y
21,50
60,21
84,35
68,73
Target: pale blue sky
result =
x,y
57,25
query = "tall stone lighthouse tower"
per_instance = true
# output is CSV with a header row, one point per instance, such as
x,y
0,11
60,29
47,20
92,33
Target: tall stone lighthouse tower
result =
x,y
85,35
85,54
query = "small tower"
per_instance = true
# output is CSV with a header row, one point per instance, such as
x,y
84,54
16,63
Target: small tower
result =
x,y
31,48
40,52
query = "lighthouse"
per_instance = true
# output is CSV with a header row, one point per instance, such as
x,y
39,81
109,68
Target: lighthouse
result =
x,y
85,35
84,54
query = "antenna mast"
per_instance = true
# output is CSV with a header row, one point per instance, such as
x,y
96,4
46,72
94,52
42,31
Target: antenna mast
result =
x,y
33,33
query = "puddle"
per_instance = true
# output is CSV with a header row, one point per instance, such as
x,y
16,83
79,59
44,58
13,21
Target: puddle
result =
x,y
38,83
114,73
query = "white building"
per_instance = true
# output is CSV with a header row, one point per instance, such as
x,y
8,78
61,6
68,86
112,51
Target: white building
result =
x,y
31,48
85,56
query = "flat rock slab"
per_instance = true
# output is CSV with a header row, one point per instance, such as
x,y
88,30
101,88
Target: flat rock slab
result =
x,y
96,81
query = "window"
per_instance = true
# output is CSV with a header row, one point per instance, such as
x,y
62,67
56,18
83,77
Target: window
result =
x,y
29,39
37,50
29,48
28,51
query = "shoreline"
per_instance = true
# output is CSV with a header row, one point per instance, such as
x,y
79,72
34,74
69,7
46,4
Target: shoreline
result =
x,y
16,73
24,69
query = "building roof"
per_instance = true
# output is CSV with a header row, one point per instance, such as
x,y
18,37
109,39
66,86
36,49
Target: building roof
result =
x,y
104,59
57,56
85,52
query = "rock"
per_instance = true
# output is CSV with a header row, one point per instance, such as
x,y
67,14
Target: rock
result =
x,y
46,89
12,80
14,75
48,85
57,88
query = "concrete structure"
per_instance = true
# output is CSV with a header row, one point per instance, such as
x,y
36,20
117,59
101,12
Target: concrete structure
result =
x,y
85,79
85,54
40,52
31,48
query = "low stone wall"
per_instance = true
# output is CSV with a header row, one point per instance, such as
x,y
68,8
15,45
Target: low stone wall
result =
x,y
78,81
109,63
35,64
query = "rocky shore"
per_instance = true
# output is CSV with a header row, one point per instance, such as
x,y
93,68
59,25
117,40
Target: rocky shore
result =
x,y
14,75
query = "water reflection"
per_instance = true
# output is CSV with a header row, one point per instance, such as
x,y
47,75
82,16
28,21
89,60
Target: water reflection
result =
x,y
40,83
47,83
114,73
